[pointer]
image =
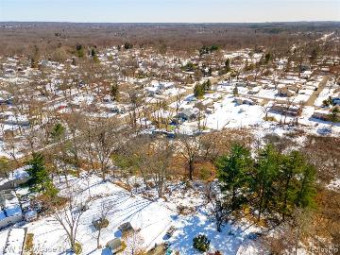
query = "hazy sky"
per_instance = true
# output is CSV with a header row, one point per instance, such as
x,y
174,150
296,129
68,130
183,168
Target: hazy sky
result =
x,y
169,10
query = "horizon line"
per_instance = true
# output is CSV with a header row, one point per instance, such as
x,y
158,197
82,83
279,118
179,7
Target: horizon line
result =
x,y
180,22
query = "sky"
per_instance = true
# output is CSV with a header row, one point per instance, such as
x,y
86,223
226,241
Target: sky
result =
x,y
191,11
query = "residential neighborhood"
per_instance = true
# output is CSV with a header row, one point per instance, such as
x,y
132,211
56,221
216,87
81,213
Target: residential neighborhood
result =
x,y
203,146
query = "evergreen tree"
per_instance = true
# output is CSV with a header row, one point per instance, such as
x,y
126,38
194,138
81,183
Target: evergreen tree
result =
x,y
114,91
35,57
40,180
4,167
277,183
314,55
334,115
214,48
306,193
74,62
227,65
189,67
266,173
292,166
268,57
233,174
128,46
80,51
58,132
235,91
206,85
199,91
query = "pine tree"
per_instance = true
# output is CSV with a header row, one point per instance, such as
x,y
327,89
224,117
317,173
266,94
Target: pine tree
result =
x,y
266,174
80,51
334,115
35,57
198,91
306,193
4,167
40,180
233,174
227,65
235,91
114,91
58,132
268,58
292,166
128,46
314,55
206,85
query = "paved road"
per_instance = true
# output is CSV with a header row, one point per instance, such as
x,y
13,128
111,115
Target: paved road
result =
x,y
315,95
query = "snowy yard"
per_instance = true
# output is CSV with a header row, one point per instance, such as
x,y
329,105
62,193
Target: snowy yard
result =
x,y
324,95
150,219
228,241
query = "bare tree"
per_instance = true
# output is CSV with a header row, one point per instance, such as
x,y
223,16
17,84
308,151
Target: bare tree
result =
x,y
69,219
102,222
136,102
135,243
156,163
101,140
191,148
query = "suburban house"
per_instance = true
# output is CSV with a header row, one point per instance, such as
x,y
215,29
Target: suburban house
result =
x,y
288,110
188,114
286,90
15,178
243,100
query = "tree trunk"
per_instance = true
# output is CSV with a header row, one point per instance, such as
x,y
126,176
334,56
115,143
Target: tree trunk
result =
x,y
98,238
286,197
191,169
103,170
260,207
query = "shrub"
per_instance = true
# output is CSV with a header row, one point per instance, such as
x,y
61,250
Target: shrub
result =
x,y
270,118
77,248
204,173
101,223
201,243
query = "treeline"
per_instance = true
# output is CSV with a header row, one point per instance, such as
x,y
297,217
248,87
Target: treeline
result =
x,y
20,38
271,183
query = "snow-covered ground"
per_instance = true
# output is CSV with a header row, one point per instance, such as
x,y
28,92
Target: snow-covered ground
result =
x,y
229,114
15,241
228,241
225,113
334,184
150,219
324,95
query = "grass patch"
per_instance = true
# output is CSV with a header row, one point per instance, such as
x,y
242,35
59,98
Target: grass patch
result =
x,y
28,247
73,173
